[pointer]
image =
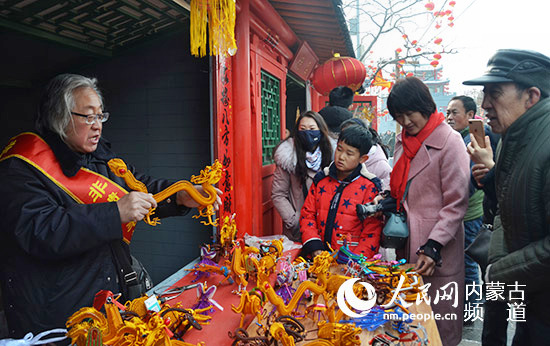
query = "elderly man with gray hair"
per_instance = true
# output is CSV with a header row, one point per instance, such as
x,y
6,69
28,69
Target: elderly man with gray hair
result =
x,y
66,218
516,89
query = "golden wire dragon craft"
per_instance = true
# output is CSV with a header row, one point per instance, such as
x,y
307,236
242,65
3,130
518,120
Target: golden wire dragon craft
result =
x,y
209,176
150,329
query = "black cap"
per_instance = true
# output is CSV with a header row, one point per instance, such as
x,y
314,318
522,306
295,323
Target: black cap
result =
x,y
340,96
524,67
334,116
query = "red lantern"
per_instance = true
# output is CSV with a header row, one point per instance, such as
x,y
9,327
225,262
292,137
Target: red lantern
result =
x,y
418,49
452,3
430,6
451,24
438,40
434,63
437,56
398,50
339,71
448,12
451,18
414,42
410,74
437,26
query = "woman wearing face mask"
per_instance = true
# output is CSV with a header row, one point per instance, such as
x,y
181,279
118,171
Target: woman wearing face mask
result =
x,y
298,158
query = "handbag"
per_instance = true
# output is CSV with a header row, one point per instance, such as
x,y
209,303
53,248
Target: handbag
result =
x,y
133,278
396,231
478,250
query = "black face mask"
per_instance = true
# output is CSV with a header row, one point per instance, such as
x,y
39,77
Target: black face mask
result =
x,y
310,138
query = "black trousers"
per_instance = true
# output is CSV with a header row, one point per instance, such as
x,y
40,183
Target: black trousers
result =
x,y
536,329
495,323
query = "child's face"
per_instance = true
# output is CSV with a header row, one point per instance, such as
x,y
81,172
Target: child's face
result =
x,y
347,158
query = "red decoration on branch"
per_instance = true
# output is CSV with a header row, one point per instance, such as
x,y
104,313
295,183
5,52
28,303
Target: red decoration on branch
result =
x,y
438,40
339,71
434,63
452,3
437,56
430,6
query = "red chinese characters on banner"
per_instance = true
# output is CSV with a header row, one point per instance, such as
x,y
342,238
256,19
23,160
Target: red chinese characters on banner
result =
x,y
224,131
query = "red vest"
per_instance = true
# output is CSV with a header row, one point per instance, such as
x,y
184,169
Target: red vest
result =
x,y
86,187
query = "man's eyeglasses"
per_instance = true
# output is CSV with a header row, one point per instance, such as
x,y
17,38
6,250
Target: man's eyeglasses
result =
x,y
92,118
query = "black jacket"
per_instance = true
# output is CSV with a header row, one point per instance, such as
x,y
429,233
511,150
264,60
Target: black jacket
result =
x,y
56,254
520,245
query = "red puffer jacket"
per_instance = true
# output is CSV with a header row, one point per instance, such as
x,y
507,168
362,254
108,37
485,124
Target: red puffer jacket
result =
x,y
329,212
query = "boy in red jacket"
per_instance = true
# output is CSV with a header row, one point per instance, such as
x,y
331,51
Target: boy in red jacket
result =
x,y
329,212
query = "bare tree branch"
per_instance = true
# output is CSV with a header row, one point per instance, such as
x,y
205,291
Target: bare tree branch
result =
x,y
387,17
391,61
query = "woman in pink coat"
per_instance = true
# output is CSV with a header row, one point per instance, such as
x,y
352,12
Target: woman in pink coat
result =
x,y
430,156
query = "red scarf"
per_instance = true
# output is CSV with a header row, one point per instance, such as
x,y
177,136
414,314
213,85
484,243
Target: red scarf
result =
x,y
411,145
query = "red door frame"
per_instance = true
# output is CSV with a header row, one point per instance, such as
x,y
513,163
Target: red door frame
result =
x,y
258,48
263,58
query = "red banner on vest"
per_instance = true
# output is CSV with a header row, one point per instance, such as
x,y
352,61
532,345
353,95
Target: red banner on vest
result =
x,y
86,187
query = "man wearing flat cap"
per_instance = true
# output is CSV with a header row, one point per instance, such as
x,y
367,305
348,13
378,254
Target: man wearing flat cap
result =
x,y
516,89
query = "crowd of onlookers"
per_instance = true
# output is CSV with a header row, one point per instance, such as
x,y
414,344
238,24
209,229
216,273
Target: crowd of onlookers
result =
x,y
448,184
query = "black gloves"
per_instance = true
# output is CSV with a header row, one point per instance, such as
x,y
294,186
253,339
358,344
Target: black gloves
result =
x,y
389,204
432,249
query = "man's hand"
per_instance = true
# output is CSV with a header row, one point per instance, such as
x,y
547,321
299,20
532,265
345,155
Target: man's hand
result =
x,y
479,154
183,198
135,205
425,265
479,171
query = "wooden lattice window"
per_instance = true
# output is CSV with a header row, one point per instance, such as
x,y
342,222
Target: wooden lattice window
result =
x,y
271,116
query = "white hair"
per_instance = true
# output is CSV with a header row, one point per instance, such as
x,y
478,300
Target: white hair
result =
x,y
57,102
